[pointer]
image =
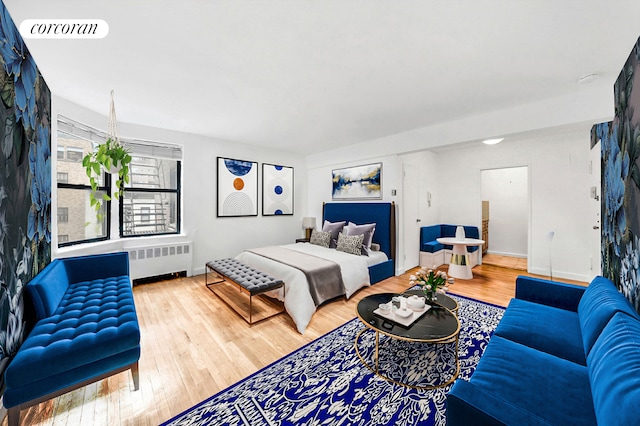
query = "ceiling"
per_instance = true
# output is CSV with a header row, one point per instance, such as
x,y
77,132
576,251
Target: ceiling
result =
x,y
309,76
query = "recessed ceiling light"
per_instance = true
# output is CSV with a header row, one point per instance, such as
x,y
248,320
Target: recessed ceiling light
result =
x,y
588,78
492,141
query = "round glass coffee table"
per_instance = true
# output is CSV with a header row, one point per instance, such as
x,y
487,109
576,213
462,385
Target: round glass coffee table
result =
x,y
437,326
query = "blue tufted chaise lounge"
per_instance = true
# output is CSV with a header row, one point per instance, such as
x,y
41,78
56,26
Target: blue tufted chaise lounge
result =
x,y
561,355
87,330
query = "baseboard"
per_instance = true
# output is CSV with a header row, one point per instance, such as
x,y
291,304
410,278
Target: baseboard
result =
x,y
504,253
559,274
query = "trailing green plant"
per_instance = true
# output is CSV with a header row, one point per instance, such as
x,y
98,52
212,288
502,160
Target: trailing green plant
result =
x,y
108,156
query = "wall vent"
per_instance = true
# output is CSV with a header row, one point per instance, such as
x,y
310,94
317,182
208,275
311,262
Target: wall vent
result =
x,y
153,260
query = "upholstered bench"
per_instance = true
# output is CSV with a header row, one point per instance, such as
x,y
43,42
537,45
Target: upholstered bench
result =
x,y
87,330
247,279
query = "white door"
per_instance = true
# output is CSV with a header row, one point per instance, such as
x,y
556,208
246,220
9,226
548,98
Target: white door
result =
x,y
411,216
594,211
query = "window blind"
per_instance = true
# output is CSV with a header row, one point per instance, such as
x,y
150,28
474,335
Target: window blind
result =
x,y
138,147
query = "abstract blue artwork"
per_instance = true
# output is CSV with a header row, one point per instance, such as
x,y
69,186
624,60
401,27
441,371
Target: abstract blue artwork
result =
x,y
237,188
277,190
360,182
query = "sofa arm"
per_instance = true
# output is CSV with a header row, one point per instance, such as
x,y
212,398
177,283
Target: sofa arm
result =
x,y
550,293
468,404
96,266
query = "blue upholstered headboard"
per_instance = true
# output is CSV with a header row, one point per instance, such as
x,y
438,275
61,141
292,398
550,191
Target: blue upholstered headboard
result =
x,y
382,214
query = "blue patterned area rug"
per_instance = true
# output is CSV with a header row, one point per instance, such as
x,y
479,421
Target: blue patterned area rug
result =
x,y
325,383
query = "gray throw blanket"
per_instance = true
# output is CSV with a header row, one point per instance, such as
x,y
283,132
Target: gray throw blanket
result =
x,y
324,276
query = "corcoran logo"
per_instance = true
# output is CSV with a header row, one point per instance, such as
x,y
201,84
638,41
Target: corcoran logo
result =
x,y
64,28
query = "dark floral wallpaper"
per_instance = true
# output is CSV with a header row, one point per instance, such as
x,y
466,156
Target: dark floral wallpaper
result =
x,y
621,183
25,182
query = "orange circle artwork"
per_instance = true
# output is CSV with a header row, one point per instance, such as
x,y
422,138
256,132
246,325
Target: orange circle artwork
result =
x,y
238,184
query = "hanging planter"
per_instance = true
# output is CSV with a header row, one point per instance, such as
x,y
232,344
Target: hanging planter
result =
x,y
110,157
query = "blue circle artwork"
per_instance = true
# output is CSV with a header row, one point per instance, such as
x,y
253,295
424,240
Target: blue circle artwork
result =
x,y
278,167
278,211
278,189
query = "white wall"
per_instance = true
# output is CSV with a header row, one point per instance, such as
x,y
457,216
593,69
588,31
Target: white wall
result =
x,y
507,191
558,164
559,195
212,237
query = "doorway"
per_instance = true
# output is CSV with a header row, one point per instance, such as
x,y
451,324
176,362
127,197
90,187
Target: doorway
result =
x,y
506,195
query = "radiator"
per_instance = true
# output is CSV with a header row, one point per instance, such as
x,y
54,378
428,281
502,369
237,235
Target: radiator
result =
x,y
153,260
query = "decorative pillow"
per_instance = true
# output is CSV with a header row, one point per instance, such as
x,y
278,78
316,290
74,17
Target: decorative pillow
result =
x,y
320,238
366,230
335,228
375,247
350,244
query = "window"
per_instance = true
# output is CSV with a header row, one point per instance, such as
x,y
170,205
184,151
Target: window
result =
x,y
150,204
151,201
63,214
75,154
77,220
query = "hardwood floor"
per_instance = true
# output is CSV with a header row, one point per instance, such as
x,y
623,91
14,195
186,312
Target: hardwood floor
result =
x,y
193,346
505,261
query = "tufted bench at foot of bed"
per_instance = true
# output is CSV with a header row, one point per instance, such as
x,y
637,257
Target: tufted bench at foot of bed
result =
x,y
246,279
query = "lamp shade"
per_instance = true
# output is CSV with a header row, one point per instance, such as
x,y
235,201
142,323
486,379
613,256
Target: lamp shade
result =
x,y
308,222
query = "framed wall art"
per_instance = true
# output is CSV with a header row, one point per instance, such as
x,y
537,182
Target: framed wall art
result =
x,y
277,190
237,188
356,183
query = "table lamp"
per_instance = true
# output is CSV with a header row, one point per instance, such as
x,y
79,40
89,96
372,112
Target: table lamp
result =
x,y
308,223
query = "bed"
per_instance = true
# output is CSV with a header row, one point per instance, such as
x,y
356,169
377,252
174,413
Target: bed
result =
x,y
356,271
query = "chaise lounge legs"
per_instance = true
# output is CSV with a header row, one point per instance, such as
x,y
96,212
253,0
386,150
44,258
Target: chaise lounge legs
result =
x,y
135,374
13,413
13,416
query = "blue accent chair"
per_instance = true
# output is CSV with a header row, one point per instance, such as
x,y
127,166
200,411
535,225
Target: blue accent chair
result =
x,y
562,354
87,330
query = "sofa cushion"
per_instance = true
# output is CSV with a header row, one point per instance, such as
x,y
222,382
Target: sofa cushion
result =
x,y
550,389
431,247
429,234
552,330
48,289
94,320
614,369
600,302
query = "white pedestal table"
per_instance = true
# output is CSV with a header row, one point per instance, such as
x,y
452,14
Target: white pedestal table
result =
x,y
459,266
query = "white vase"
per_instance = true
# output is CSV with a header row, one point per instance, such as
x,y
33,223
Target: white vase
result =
x,y
460,235
113,170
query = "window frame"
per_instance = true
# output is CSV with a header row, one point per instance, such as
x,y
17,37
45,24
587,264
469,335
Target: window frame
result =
x,y
177,191
106,179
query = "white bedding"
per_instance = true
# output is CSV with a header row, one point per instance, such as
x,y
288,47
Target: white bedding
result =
x,y
297,298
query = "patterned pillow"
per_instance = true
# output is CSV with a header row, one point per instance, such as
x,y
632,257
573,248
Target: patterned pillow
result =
x,y
350,243
367,230
335,228
320,238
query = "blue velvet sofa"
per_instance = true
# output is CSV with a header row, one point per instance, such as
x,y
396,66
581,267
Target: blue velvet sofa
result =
x,y
87,330
561,355
434,254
